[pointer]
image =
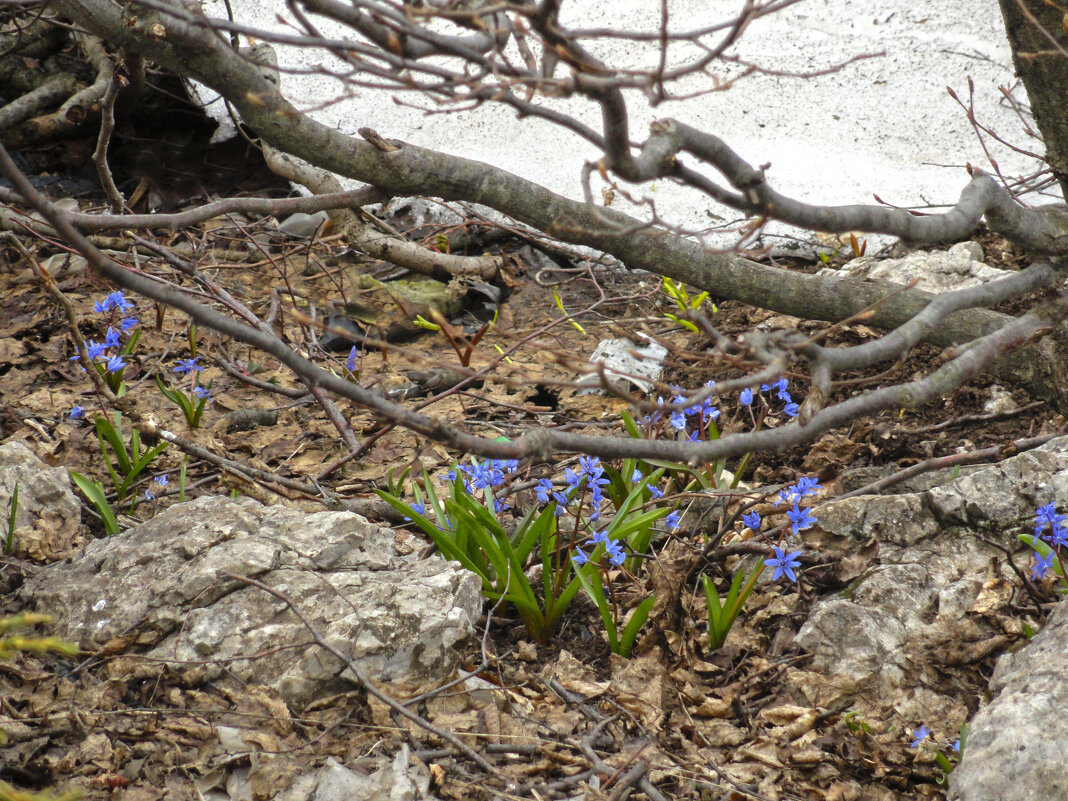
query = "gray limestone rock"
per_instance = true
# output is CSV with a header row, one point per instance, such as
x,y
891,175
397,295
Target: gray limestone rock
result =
x,y
927,573
162,586
1016,744
937,271
48,519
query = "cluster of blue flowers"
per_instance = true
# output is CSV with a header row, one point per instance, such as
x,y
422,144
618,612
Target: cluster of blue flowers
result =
x,y
678,418
1056,537
590,476
800,519
114,306
484,476
789,408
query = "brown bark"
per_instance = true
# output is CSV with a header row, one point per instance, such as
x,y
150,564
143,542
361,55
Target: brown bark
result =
x,y
1038,34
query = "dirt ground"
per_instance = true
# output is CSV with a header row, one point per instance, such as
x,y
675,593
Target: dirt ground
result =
x,y
81,724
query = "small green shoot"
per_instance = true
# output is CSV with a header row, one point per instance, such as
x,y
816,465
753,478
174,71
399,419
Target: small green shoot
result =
x,y
192,405
560,305
687,305
9,541
467,531
129,463
94,491
722,612
589,575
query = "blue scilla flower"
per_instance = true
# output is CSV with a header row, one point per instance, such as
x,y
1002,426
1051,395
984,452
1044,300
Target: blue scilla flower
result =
x,y
1042,565
672,521
77,413
615,552
779,387
784,564
746,396
350,363
801,518
1047,516
93,349
752,520
418,507
117,300
543,488
919,735
115,364
187,365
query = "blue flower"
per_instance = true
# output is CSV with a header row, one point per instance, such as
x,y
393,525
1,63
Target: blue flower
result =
x,y
746,396
350,363
116,300
187,365
791,409
149,496
598,537
655,492
418,507
115,364
162,480
615,552
127,324
779,387
752,520
956,745
1042,565
919,735
543,488
485,475
77,413
672,521
572,478
590,466
678,420
580,558
784,563
1047,515
101,306
801,518
636,477
202,392
93,349
500,505
807,486
111,339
